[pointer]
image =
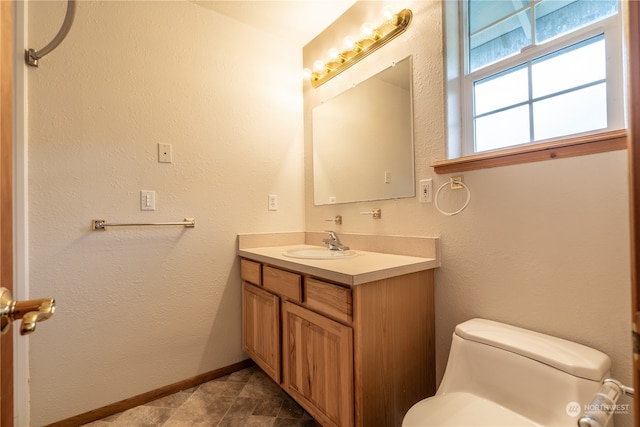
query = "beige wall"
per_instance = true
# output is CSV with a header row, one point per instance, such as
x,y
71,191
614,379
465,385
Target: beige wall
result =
x,y
142,308
544,245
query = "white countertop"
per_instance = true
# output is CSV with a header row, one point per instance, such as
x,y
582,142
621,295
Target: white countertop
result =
x,y
363,268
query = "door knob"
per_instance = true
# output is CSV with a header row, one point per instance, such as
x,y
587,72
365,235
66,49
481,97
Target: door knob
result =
x,y
31,312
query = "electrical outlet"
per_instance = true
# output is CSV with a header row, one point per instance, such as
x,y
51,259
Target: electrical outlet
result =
x,y
426,190
273,202
164,153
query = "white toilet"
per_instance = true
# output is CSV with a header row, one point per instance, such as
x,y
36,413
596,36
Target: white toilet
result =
x,y
501,375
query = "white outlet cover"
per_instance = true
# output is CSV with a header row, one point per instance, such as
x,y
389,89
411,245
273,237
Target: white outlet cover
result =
x,y
164,153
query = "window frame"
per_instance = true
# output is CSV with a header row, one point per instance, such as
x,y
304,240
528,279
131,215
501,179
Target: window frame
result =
x,y
460,137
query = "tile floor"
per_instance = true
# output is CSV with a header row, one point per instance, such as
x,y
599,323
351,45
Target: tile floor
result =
x,y
247,398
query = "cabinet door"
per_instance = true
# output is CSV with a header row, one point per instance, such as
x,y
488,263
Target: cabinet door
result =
x,y
261,328
318,365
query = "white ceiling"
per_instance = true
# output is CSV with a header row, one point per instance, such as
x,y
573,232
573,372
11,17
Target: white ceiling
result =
x,y
300,21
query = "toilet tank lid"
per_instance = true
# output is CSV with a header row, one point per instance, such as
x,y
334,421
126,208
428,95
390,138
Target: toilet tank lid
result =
x,y
573,358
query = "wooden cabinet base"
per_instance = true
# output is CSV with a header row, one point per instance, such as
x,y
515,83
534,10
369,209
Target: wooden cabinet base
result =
x,y
351,356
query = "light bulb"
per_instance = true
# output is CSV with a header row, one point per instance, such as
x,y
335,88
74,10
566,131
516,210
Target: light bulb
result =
x,y
349,42
306,74
318,65
388,13
334,53
366,31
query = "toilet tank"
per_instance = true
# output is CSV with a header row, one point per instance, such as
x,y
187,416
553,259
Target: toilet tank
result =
x,y
536,375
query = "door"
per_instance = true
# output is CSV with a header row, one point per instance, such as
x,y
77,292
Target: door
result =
x,y
6,206
28,312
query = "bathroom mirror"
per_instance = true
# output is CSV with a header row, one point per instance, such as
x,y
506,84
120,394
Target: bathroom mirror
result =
x,y
363,140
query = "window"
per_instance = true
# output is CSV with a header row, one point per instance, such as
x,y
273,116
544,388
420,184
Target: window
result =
x,y
531,71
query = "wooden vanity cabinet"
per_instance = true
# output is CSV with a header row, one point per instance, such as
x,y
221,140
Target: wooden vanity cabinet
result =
x,y
350,355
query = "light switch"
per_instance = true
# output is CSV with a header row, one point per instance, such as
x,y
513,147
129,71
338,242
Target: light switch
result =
x,y
273,202
147,200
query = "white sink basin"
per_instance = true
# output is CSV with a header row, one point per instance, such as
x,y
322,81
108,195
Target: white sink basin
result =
x,y
318,253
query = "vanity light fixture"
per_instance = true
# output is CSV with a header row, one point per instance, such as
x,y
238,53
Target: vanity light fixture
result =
x,y
372,40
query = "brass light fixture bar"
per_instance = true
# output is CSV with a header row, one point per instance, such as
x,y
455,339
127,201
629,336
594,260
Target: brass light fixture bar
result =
x,y
376,38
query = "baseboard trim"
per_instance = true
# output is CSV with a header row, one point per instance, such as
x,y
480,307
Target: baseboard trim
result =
x,y
150,396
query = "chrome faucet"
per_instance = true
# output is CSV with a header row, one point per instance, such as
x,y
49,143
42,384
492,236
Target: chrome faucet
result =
x,y
333,242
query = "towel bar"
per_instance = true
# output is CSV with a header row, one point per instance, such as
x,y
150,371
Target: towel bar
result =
x,y
102,224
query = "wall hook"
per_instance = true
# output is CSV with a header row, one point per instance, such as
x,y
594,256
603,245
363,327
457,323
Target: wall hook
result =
x,y
375,213
337,219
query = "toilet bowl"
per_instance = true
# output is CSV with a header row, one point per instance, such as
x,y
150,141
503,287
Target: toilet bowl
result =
x,y
502,375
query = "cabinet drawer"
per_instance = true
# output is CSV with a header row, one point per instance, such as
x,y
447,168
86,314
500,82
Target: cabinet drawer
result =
x,y
329,299
250,271
283,283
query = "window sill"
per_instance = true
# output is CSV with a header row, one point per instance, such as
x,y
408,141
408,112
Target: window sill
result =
x,y
578,146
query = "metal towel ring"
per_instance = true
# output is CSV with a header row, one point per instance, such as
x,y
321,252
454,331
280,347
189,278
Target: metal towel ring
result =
x,y
463,206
